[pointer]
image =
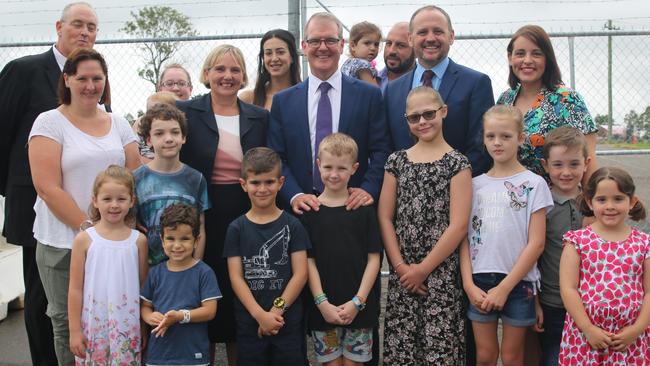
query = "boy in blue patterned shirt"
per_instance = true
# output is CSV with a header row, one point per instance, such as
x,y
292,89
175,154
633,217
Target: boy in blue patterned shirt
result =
x,y
165,180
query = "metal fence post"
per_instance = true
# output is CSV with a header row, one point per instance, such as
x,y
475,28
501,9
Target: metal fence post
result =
x,y
572,63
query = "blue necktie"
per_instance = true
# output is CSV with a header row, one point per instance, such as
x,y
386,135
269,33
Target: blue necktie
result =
x,y
323,128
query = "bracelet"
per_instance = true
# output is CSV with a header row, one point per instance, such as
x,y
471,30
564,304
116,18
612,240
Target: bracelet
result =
x,y
358,303
85,225
397,265
186,316
320,298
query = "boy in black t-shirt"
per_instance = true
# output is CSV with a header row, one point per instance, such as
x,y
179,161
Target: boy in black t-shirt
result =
x,y
343,262
267,264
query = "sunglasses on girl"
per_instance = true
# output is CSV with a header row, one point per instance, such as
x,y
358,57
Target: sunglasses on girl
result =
x,y
428,115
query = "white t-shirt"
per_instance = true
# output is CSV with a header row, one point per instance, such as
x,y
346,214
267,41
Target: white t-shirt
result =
x,y
498,226
82,157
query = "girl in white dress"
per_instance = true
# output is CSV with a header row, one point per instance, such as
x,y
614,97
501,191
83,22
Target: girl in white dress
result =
x,y
108,266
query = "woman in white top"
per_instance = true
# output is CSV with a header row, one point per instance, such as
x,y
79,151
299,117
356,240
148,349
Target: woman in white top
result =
x,y
68,147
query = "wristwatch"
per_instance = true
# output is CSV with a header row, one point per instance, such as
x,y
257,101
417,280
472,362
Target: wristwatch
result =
x,y
279,303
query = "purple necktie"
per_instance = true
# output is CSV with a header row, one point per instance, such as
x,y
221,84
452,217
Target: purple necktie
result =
x,y
323,128
427,78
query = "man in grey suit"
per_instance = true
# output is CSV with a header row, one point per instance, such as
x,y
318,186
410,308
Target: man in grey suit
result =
x,y
28,87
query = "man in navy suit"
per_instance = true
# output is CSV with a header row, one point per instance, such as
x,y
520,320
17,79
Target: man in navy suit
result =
x,y
467,92
28,87
355,109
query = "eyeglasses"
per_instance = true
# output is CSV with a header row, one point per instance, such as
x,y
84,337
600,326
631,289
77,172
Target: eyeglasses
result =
x,y
428,115
315,43
179,83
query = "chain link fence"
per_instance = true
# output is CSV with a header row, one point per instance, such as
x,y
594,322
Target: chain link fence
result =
x,y
583,59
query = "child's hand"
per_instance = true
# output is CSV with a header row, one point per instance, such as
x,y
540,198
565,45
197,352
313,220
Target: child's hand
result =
x,y
348,312
476,297
495,299
78,344
154,318
539,316
598,338
330,313
627,336
413,278
170,318
269,323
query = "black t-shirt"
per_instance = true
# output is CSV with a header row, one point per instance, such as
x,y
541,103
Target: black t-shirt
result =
x,y
265,250
341,241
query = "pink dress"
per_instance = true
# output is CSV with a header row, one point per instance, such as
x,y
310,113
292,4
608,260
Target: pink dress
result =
x,y
611,289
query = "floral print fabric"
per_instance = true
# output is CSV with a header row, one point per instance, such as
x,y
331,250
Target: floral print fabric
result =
x,y
611,289
352,66
424,330
552,109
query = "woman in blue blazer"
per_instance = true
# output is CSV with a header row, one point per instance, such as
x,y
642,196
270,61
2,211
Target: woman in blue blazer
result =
x,y
221,128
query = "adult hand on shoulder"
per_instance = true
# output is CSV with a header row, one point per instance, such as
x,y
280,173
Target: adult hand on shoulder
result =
x,y
305,202
598,338
624,338
330,313
348,312
78,344
413,278
358,197
495,299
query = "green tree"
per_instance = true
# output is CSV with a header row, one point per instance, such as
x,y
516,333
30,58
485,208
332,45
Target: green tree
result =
x,y
157,22
631,121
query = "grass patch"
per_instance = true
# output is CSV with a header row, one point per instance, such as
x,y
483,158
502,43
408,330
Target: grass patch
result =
x,y
641,145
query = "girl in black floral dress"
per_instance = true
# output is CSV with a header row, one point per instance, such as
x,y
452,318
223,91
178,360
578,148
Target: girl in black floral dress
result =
x,y
423,215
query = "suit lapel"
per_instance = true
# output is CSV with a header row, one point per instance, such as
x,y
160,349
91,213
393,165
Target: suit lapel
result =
x,y
246,116
348,98
53,71
301,114
448,80
204,106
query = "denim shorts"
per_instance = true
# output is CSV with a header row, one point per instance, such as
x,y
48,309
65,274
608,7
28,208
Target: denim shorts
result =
x,y
519,309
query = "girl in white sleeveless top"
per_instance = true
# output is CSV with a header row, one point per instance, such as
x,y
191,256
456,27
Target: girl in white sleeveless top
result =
x,y
108,266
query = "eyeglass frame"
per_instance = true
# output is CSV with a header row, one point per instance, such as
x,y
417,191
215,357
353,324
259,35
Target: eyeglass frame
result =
x,y
329,42
420,115
173,83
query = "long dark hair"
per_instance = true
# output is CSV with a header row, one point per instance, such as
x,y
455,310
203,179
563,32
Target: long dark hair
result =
x,y
263,76
552,76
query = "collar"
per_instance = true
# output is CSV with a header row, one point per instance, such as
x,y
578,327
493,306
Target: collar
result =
x,y
336,81
439,69
559,199
60,59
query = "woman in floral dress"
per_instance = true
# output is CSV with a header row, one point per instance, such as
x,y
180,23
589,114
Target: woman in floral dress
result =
x,y
536,88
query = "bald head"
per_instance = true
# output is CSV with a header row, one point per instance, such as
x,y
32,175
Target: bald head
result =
x,y
77,27
398,53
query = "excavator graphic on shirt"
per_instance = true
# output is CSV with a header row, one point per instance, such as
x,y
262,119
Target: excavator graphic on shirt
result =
x,y
258,267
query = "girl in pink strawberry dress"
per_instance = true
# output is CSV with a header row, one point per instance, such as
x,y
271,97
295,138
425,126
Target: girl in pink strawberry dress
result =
x,y
604,270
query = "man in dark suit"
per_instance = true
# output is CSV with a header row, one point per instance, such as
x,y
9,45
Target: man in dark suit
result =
x,y
467,92
28,87
353,107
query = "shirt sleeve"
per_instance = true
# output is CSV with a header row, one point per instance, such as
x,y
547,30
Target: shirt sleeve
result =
x,y
577,114
47,126
299,239
372,230
542,197
573,237
124,129
208,285
391,165
204,200
305,221
231,246
457,163
146,293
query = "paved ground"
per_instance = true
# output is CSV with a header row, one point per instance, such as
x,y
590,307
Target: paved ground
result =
x,y
13,340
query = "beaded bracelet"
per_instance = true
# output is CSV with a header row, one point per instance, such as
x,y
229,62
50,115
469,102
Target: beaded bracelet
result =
x,y
320,298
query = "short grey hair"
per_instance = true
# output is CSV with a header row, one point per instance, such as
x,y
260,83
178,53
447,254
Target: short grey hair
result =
x,y
431,8
67,8
325,16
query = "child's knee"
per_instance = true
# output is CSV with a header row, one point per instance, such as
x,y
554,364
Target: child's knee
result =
x,y
512,356
486,356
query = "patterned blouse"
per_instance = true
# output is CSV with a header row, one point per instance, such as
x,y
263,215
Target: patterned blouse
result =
x,y
352,66
551,109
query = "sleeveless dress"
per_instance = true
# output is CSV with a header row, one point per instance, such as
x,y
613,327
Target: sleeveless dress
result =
x,y
424,330
110,317
611,289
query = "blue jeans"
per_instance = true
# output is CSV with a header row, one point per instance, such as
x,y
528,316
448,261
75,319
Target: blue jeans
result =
x,y
552,336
